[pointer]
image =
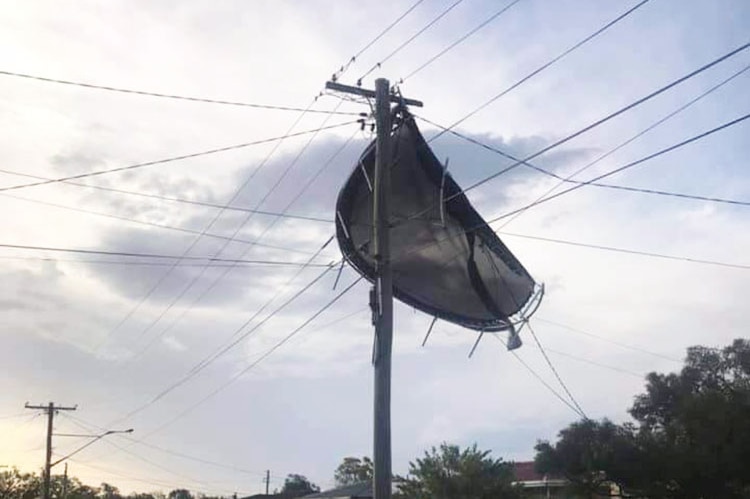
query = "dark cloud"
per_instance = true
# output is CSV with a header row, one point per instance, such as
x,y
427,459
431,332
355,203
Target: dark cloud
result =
x,y
468,163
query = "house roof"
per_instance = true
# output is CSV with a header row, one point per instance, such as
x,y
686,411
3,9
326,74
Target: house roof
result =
x,y
525,472
268,496
358,490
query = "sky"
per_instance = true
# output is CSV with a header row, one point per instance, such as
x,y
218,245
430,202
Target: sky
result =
x,y
126,339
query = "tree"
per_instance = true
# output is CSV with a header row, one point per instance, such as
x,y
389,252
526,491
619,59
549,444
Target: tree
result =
x,y
692,439
585,450
450,473
107,491
180,494
353,470
298,486
17,485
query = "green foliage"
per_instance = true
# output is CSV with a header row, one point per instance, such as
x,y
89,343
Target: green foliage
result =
x,y
180,494
692,438
450,473
107,491
298,486
353,470
17,485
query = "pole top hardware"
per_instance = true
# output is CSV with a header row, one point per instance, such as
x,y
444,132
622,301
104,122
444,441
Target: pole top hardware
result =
x,y
338,87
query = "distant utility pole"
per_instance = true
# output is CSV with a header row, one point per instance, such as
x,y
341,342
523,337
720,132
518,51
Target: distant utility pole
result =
x,y
51,409
267,480
383,289
65,483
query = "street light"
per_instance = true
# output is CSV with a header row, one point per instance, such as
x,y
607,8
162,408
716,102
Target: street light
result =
x,y
95,438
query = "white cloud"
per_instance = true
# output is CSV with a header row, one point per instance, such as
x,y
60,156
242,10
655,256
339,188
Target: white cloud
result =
x,y
308,404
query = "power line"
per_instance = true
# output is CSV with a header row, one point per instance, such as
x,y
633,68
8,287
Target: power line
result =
x,y
156,482
554,371
629,251
539,201
208,227
528,77
568,179
597,364
176,158
369,44
172,199
608,340
128,263
18,415
88,426
603,120
408,41
279,290
222,350
627,166
260,359
237,230
459,41
673,194
152,224
161,256
539,377
166,96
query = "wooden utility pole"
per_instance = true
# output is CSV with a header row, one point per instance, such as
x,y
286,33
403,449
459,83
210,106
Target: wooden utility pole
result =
x,y
51,409
383,293
383,289
65,483
268,479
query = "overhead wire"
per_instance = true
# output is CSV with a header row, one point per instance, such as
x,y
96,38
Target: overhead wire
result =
x,y
129,263
161,197
238,337
597,364
167,96
162,256
260,359
89,426
459,41
408,41
237,230
568,178
137,456
539,377
627,166
212,357
598,122
608,340
148,481
208,289
526,78
157,225
462,231
554,370
343,69
207,228
629,251
337,75
277,140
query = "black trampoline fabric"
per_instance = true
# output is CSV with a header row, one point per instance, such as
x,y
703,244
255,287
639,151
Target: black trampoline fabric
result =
x,y
446,260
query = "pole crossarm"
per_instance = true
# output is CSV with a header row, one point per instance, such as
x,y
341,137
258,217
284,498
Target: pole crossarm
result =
x,y
348,89
51,409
